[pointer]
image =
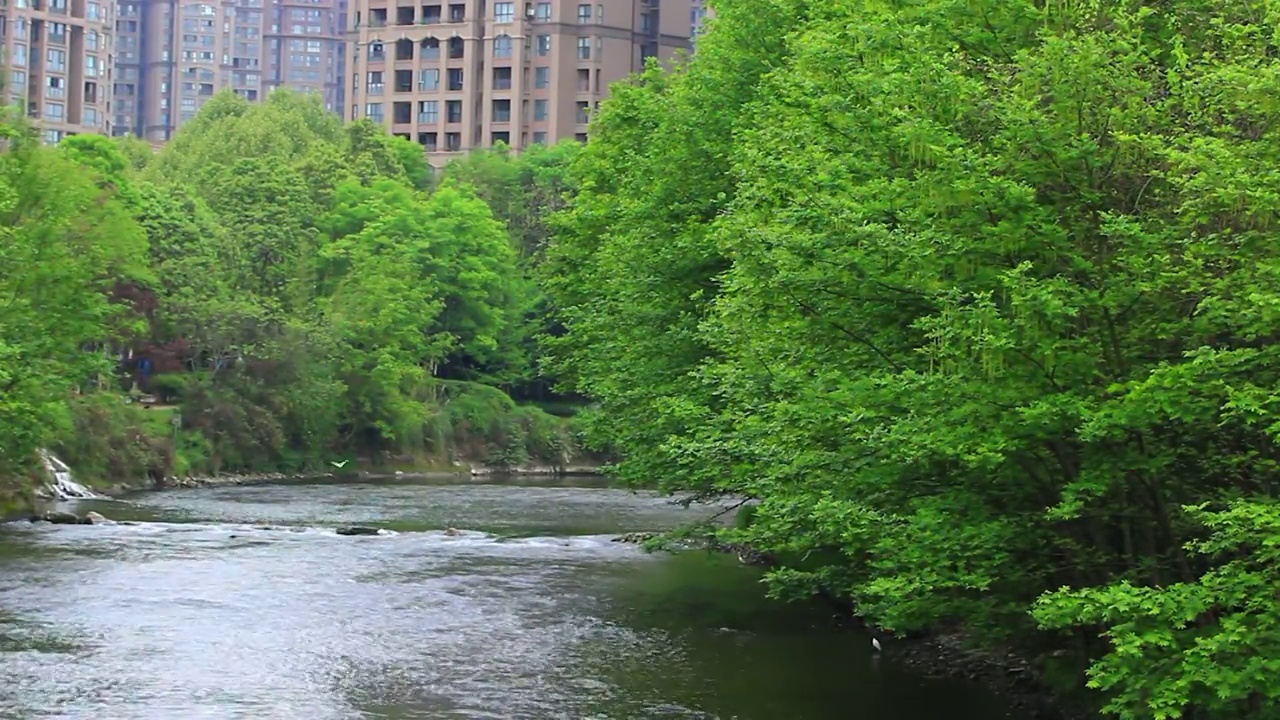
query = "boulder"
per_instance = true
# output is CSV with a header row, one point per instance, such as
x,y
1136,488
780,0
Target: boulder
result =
x,y
636,538
62,517
57,517
93,518
358,530
452,532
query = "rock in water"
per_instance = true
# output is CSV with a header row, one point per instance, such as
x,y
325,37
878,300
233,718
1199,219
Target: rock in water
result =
x,y
57,517
358,530
636,538
93,518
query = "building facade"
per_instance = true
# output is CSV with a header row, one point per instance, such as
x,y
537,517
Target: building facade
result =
x,y
57,57
698,15
462,74
173,55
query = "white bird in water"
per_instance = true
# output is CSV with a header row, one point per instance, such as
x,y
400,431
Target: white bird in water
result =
x,y
338,465
875,643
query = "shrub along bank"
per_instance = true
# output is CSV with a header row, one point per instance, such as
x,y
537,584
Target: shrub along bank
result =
x,y
289,289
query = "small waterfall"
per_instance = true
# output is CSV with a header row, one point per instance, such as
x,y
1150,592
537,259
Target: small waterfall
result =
x,y
61,485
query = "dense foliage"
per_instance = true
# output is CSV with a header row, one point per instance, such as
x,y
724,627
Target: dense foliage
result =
x,y
977,299
290,289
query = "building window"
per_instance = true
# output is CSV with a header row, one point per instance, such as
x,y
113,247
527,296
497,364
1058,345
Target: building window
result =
x,y
502,78
540,138
457,48
542,77
428,79
57,60
373,111
93,11
584,48
430,49
544,45
453,111
58,33
502,46
54,111
428,112
584,14
377,52
599,14
374,84
91,40
52,137
502,111
19,55
501,136
540,109
504,12
454,80
91,66
428,141
542,11
584,113
90,117
55,87
452,141
18,79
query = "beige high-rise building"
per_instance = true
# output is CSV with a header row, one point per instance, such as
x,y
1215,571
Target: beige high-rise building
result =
x,y
698,14
173,55
56,55
454,75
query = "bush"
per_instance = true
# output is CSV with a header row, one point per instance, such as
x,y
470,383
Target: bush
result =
x,y
111,441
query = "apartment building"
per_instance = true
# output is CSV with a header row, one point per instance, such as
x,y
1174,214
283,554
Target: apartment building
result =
x,y
56,55
454,75
173,55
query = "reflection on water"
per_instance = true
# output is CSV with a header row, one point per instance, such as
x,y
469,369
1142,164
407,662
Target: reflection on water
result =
x,y
243,603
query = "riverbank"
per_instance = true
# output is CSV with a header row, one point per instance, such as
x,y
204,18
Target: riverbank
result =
x,y
238,479
951,655
954,655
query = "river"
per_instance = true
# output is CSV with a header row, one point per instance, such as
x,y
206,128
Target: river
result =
x,y
196,611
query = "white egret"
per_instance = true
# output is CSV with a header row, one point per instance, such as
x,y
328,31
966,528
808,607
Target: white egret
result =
x,y
875,643
338,465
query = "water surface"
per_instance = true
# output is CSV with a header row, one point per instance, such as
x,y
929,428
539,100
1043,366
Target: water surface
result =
x,y
241,602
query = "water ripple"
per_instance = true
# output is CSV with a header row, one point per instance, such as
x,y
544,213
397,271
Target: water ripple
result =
x,y
244,603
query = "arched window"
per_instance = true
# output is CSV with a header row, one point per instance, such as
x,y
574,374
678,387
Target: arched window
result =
x,y
430,49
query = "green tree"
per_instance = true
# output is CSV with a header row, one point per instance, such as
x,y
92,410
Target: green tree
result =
x,y
973,298
66,241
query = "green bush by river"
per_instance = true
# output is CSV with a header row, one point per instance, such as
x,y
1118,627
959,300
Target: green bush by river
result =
x,y
283,291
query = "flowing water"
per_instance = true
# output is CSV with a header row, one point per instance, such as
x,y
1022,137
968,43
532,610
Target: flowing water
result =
x,y
241,602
